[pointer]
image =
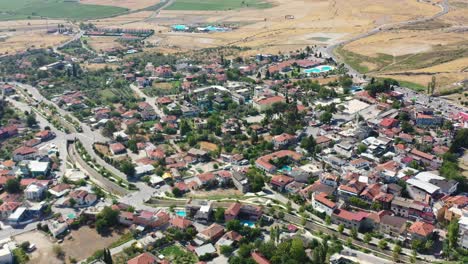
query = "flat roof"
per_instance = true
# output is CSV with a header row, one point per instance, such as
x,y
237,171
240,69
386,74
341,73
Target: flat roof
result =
x,y
428,187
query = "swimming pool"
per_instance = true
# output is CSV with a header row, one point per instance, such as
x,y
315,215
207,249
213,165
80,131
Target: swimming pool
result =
x,y
181,213
319,69
286,169
71,216
248,223
180,27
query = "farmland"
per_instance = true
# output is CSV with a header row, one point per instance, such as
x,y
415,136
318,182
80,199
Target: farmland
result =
x,y
217,4
23,9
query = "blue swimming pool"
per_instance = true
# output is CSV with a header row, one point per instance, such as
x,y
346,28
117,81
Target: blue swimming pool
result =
x,y
180,27
181,213
248,223
319,69
286,169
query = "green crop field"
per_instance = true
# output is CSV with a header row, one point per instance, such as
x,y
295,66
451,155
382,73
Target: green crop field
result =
x,y
208,5
23,9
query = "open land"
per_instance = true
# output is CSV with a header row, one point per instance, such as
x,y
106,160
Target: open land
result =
x,y
22,9
128,4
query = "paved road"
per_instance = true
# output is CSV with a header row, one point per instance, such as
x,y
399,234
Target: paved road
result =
x,y
150,100
95,176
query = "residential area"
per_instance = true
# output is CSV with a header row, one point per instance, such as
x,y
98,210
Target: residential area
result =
x,y
215,158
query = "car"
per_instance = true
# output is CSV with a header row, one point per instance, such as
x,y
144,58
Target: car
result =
x,y
60,241
31,248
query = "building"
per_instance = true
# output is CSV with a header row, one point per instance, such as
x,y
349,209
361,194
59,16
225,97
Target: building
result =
x,y
349,219
143,258
25,153
57,228
428,120
39,168
232,211
264,103
211,233
7,208
6,256
393,226
117,148
420,230
412,210
259,258
205,249
280,181
35,191
321,203
180,222
240,181
283,140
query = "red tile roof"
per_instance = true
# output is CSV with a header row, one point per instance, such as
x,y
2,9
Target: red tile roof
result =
x,y
144,258
351,216
422,154
233,209
180,222
322,198
259,258
421,228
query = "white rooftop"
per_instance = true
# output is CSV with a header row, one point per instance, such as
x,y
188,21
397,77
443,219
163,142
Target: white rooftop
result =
x,y
38,166
427,176
428,187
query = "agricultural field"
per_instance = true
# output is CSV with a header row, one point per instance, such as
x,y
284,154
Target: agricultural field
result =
x,y
217,4
26,9
128,4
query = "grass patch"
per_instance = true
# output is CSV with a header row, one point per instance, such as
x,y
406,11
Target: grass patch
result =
x,y
23,9
122,240
209,5
178,255
413,86
352,59
321,39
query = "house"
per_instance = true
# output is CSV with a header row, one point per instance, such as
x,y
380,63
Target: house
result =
x,y
420,230
143,170
45,135
39,168
232,211
351,189
264,103
323,141
206,179
211,233
264,164
427,159
151,219
117,148
412,210
283,140
280,181
240,181
57,228
321,203
59,190
35,191
349,219
205,249
198,155
420,190
393,226
143,258
388,123
428,120
82,198
180,222
7,208
259,258
231,238
316,187
25,153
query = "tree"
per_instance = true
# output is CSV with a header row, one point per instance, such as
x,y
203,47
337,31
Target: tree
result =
x,y
12,186
58,251
31,120
297,251
328,220
396,253
382,244
109,129
107,258
72,202
106,218
367,238
127,167
184,127
354,233
219,215
176,192
226,250
326,117
308,143
340,228
234,225
453,234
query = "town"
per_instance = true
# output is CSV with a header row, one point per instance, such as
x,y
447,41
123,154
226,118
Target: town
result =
x,y
131,155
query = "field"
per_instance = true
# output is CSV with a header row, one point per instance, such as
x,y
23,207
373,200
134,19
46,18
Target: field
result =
x,y
129,4
415,53
216,4
22,9
44,253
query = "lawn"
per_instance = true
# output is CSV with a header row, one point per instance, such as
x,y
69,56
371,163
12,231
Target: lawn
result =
x,y
208,5
413,86
22,9
178,255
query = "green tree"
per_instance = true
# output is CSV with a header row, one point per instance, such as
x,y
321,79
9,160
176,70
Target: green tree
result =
x,y
328,220
453,234
382,244
367,238
226,250
219,215
326,117
12,186
234,225
177,192
297,251
396,253
340,228
354,232
128,168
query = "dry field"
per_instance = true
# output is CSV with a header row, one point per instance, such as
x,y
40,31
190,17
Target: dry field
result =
x,y
130,4
44,253
100,44
23,34
416,53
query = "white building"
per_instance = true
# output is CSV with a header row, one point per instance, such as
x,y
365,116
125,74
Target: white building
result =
x,y
56,228
6,257
34,191
321,203
463,225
